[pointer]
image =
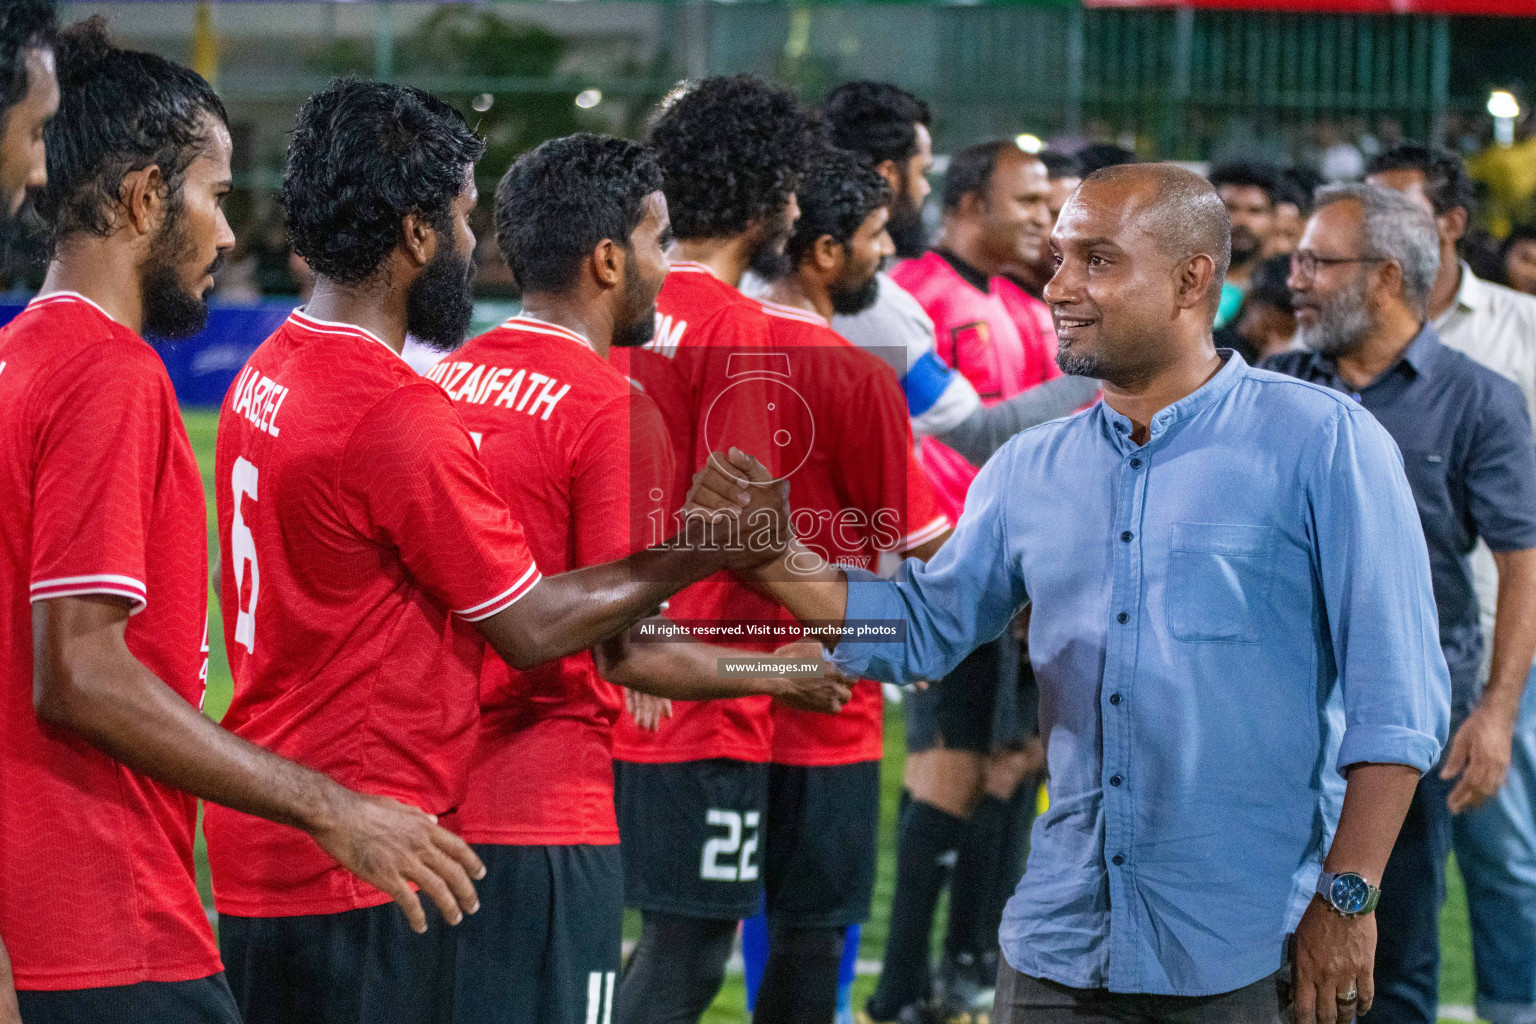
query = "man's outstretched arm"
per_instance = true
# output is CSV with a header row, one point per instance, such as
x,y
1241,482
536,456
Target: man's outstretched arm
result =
x,y
86,681
10,1013
688,670
574,610
964,596
983,432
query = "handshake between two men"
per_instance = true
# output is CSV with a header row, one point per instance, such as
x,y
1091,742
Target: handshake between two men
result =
x,y
736,502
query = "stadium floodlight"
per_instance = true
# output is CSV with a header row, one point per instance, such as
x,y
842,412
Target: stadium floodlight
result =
x,y
589,98
1504,108
1502,103
1029,143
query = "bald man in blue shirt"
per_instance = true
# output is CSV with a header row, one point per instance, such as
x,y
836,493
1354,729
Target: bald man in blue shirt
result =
x,y
1233,631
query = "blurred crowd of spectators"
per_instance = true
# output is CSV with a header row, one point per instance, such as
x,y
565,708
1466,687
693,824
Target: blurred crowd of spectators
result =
x,y
1275,199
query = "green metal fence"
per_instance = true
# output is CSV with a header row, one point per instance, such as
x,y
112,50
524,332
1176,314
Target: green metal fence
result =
x,y
1180,81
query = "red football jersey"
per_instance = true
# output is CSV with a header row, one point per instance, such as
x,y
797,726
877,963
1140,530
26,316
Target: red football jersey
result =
x,y
360,537
99,494
1036,330
707,334
859,492
587,473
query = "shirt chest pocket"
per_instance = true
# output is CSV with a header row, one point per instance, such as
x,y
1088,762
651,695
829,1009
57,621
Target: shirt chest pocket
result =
x,y
1219,581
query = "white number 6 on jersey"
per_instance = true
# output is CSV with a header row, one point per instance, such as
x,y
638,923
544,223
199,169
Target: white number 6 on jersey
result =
x,y
242,549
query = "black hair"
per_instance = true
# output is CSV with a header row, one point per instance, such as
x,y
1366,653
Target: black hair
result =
x,y
970,170
24,25
1519,233
1249,175
876,119
1446,181
731,151
1267,283
363,156
1298,185
557,202
120,111
1098,155
1060,165
835,198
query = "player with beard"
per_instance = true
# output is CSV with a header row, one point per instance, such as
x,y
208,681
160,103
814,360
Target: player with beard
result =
x,y
366,555
889,126
692,795
858,493
1250,192
105,638
30,98
583,226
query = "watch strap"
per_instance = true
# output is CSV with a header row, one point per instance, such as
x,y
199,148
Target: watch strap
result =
x,y
1325,890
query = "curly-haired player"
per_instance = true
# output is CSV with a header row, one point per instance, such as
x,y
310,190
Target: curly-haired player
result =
x,y
367,561
102,736
692,796
860,494
583,226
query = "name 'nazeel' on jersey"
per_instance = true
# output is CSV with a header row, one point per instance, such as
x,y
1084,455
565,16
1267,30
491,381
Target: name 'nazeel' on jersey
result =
x,y
520,390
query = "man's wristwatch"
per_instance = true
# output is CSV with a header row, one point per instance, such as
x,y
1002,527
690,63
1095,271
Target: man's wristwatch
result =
x,y
1347,894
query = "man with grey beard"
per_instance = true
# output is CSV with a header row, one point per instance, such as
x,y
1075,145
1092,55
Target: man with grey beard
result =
x,y
1361,279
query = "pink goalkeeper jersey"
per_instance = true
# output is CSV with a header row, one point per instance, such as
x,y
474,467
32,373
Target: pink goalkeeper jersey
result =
x,y
996,338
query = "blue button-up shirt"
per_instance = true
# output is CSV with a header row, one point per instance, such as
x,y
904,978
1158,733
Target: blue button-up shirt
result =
x,y
1223,618
1466,443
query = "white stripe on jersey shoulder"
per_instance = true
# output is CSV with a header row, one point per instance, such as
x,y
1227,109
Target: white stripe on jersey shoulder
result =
x,y
314,323
104,583
778,309
690,267
927,533
504,600
533,325
51,297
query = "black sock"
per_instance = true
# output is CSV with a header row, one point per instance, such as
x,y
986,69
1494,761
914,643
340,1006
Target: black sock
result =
x,y
1015,845
800,979
924,836
676,969
973,889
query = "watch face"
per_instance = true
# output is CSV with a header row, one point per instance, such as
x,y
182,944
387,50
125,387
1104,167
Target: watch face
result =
x,y
1350,893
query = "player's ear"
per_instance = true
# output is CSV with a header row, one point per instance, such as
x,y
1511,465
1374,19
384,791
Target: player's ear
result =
x,y
142,196
1194,280
828,254
419,238
608,261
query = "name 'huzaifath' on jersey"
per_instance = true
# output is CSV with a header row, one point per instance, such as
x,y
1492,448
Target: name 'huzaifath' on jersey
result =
x,y
360,537
99,494
587,471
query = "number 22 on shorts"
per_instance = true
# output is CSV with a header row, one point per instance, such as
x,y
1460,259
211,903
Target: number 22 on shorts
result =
x,y
715,865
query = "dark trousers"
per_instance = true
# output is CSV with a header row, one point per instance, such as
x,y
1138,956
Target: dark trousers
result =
x,y
204,1001
1408,917
1024,1000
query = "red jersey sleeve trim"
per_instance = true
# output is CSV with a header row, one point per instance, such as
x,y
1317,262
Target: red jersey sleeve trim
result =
x,y
927,533
105,583
503,600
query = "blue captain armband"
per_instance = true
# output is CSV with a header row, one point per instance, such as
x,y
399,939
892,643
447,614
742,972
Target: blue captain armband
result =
x,y
925,382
